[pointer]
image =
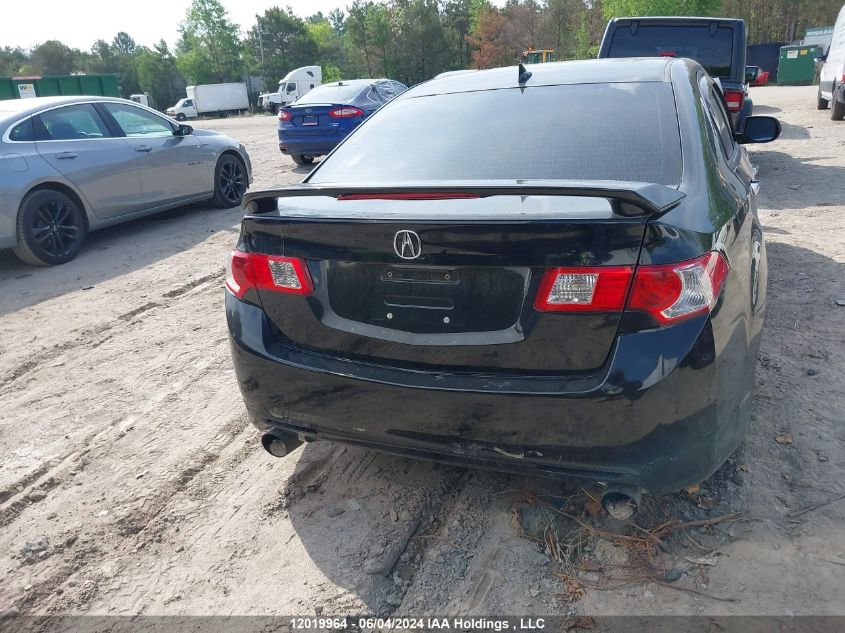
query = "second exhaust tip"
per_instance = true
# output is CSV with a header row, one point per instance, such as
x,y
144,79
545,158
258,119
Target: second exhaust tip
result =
x,y
621,503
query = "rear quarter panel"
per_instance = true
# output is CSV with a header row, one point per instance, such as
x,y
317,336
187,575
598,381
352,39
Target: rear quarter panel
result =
x,y
718,213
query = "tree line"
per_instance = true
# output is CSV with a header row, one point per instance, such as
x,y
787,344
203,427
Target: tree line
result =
x,y
408,40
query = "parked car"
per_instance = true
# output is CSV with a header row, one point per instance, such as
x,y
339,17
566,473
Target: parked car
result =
x,y
75,164
756,76
832,74
315,123
718,44
575,291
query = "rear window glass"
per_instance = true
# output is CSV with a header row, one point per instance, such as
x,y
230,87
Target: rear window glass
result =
x,y
332,94
74,122
620,131
713,49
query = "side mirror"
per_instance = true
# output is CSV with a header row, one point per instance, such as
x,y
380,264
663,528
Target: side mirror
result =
x,y
751,73
183,130
759,129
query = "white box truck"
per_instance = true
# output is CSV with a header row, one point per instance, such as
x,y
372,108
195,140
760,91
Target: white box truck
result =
x,y
295,84
212,100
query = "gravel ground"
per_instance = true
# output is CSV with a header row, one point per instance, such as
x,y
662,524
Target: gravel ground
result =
x,y
131,483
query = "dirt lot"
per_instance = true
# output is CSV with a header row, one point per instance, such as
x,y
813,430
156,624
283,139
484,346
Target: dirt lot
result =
x,y
130,482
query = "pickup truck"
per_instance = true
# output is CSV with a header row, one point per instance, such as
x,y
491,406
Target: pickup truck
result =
x,y
718,44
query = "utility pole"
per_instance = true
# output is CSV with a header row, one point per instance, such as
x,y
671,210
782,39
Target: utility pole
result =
x,y
260,38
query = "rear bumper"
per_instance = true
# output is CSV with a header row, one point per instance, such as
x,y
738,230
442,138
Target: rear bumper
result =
x,y
651,418
309,145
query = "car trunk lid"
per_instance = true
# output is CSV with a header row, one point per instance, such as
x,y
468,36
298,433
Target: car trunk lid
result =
x,y
311,119
444,278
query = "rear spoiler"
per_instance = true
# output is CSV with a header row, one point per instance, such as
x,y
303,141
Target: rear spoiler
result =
x,y
650,198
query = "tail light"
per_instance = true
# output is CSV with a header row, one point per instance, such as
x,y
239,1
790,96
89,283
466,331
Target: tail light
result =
x,y
673,292
345,112
734,100
600,289
248,271
285,115
668,292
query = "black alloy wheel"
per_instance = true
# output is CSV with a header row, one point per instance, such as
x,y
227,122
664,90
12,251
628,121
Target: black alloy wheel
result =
x,y
230,182
51,228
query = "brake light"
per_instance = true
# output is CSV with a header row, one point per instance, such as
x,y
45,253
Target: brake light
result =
x,y
668,292
583,289
285,115
734,99
345,112
674,292
247,271
409,195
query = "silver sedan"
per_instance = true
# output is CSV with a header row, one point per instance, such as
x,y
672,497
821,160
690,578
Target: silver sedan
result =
x,y
69,165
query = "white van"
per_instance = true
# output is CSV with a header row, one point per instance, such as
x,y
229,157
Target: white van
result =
x,y
832,77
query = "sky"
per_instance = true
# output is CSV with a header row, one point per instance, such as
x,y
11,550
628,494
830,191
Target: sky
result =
x,y
79,23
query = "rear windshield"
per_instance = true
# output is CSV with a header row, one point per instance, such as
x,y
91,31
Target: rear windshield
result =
x,y
620,131
332,94
713,49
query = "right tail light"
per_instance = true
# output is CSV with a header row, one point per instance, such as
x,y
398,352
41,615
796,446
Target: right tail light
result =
x,y
734,100
345,112
674,292
668,292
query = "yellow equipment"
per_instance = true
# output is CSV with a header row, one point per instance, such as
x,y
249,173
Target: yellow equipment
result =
x,y
541,56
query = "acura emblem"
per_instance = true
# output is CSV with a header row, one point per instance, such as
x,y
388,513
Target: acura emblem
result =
x,y
407,244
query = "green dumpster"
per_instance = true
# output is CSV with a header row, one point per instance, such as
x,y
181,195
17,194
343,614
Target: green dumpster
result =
x,y
797,65
59,85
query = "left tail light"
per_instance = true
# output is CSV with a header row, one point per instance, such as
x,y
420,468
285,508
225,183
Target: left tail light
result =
x,y
285,115
246,271
734,100
345,112
668,292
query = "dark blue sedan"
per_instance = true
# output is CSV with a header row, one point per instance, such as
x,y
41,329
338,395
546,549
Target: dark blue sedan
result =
x,y
318,121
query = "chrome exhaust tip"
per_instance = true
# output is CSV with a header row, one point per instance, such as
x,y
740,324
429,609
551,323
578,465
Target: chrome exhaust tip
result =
x,y
279,443
621,502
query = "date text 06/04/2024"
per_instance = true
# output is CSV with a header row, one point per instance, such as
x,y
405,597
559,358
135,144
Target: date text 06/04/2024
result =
x,y
424,623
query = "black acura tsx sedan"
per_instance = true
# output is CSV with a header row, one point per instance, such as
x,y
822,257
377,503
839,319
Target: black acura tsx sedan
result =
x,y
555,269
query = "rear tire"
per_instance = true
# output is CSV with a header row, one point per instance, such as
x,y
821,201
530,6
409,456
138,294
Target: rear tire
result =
x,y
50,229
821,104
302,159
837,109
230,182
